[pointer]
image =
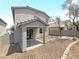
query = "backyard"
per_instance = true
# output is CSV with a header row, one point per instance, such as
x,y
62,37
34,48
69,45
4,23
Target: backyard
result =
x,y
53,49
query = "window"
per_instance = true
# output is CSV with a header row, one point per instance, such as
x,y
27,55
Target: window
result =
x,y
40,30
70,28
61,28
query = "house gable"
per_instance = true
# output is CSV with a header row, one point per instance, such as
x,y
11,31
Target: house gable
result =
x,y
21,14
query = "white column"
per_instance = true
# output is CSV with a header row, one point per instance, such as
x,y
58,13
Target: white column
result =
x,y
37,32
24,38
43,35
47,31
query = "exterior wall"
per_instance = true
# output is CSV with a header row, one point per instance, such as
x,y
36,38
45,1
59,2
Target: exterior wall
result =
x,y
22,15
38,34
18,35
4,39
70,32
4,36
34,32
2,30
55,31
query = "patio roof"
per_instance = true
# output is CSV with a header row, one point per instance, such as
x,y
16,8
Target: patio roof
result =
x,y
32,20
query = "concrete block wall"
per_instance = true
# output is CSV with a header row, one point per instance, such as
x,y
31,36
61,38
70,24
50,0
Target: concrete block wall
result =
x,y
63,32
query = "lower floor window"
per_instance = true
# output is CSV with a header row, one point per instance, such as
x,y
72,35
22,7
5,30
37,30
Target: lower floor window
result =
x,y
40,30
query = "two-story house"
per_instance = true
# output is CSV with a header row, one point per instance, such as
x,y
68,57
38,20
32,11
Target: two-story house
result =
x,y
3,38
2,27
29,23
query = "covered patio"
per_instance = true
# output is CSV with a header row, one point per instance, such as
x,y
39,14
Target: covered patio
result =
x,y
30,29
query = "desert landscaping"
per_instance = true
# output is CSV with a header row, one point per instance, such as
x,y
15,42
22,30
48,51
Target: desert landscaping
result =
x,y
39,29
53,49
73,53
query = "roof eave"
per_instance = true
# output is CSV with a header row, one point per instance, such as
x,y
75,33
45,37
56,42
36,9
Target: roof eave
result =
x,y
3,21
28,7
22,23
12,8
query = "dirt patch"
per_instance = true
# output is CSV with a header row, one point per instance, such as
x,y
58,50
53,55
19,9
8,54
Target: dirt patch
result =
x,y
4,49
51,50
74,52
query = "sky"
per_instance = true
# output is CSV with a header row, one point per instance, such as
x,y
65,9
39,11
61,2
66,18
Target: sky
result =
x,y
52,7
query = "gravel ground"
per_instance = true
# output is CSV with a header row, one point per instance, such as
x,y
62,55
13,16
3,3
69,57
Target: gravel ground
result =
x,y
51,50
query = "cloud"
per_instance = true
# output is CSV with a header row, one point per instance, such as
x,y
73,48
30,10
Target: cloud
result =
x,y
63,15
74,1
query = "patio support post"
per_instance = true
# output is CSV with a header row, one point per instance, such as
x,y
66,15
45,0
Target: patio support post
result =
x,y
43,35
24,39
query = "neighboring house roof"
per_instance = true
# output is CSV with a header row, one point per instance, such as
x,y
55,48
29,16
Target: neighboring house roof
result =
x,y
27,7
66,21
3,21
55,24
32,20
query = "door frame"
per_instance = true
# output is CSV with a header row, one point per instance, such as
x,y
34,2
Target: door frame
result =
x,y
29,33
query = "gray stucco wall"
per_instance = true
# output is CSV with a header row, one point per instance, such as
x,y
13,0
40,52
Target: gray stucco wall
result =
x,y
18,35
26,14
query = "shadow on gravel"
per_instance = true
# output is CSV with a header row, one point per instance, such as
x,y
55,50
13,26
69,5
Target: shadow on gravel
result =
x,y
14,48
